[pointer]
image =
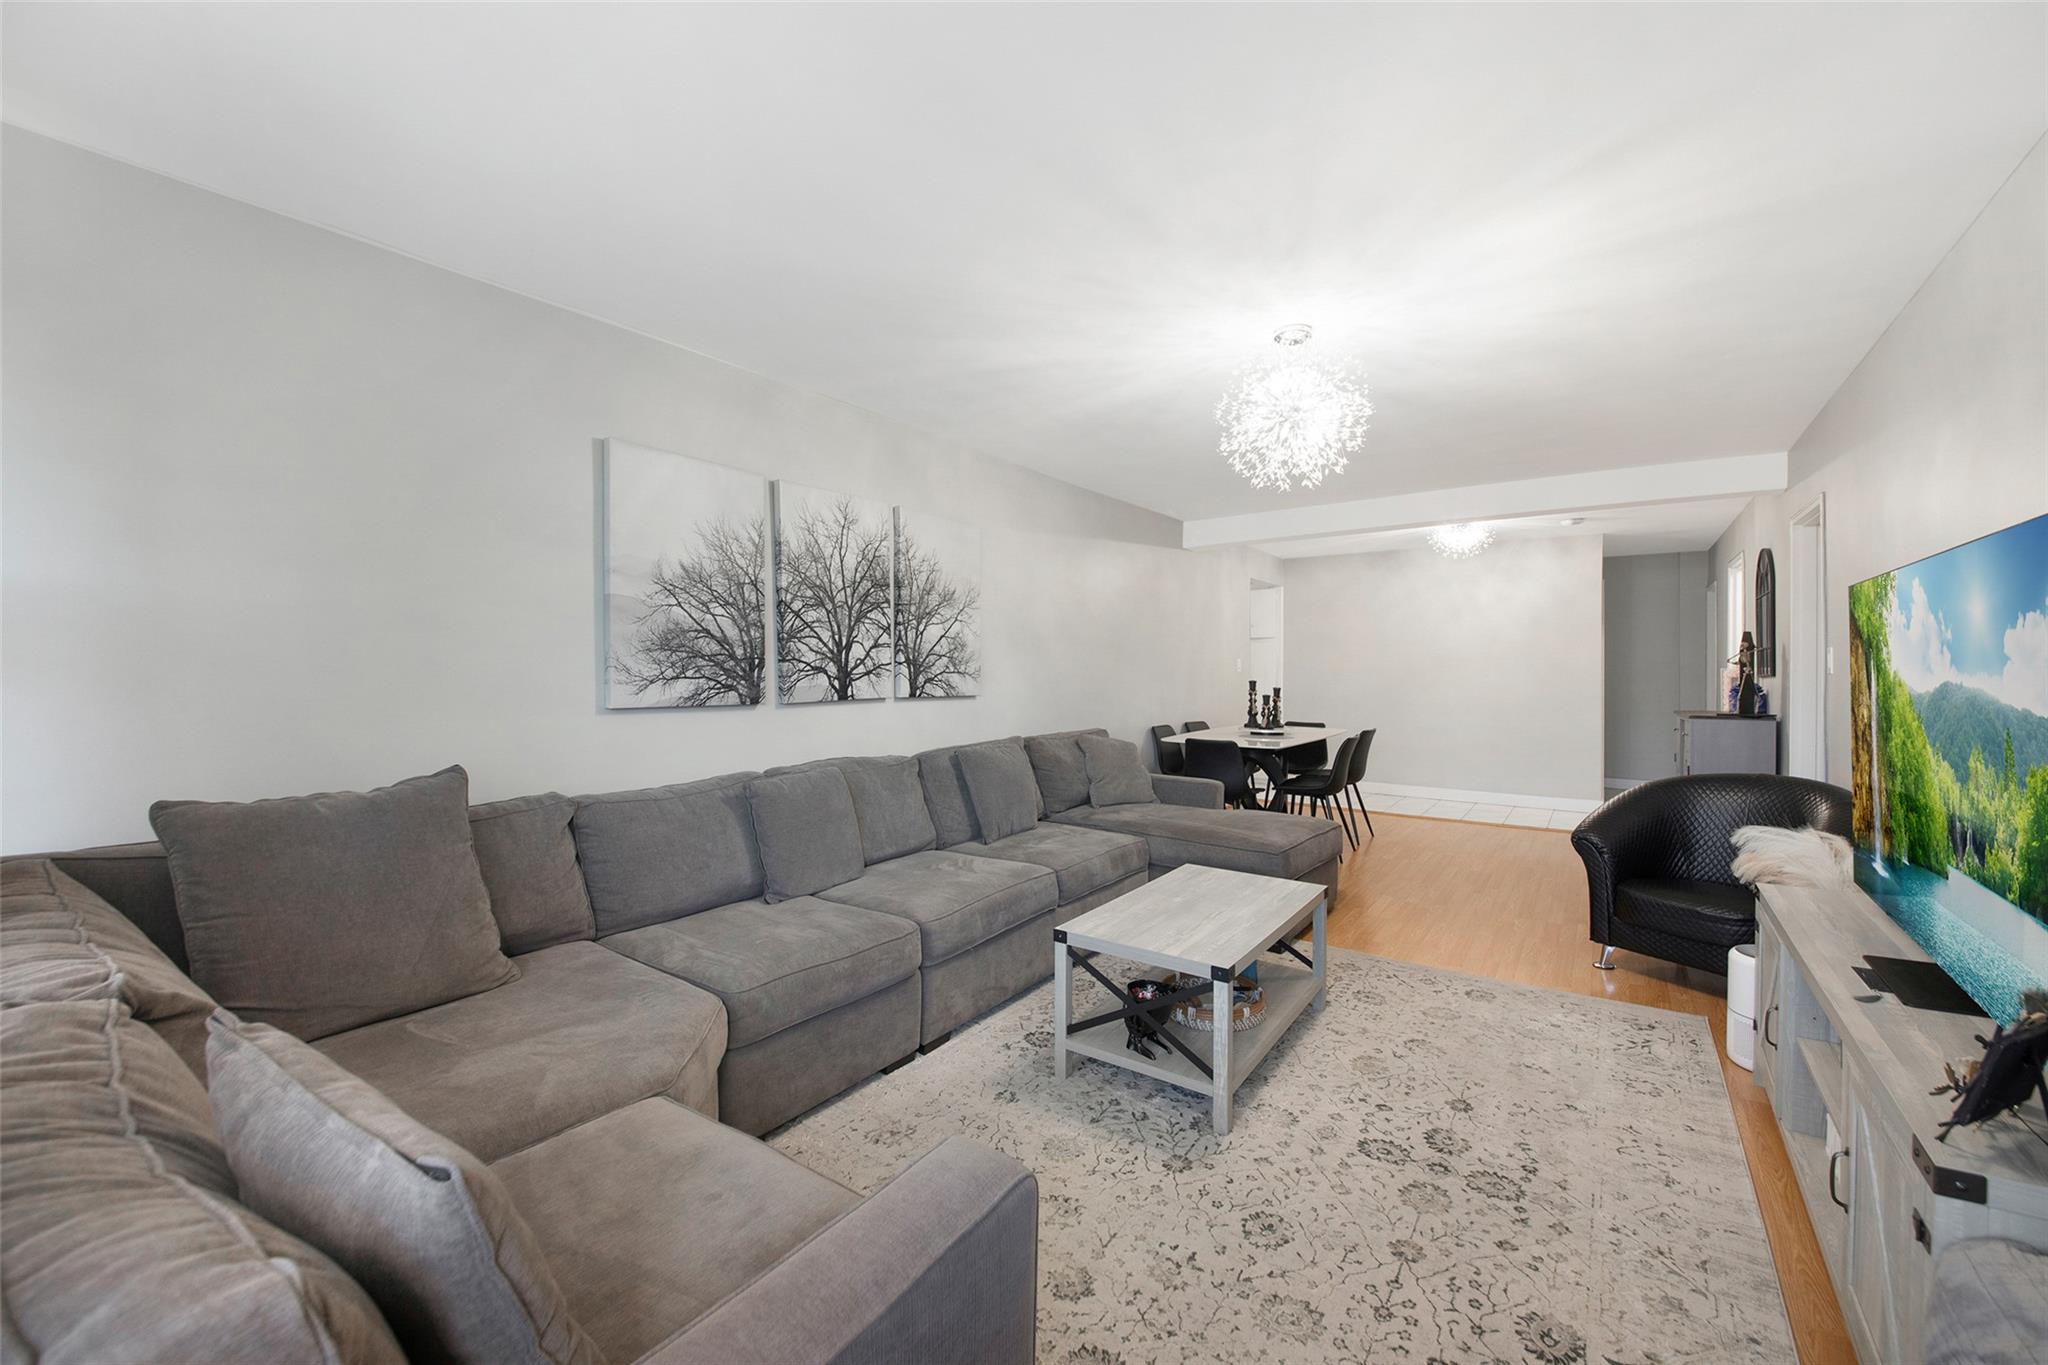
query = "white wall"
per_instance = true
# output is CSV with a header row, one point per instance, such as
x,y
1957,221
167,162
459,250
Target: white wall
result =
x,y
285,511
1483,674
1939,435
1656,640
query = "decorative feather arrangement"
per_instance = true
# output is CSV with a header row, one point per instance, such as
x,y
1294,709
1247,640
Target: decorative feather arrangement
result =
x,y
1791,857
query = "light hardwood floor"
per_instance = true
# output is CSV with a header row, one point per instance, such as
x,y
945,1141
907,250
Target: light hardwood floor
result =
x,y
1510,903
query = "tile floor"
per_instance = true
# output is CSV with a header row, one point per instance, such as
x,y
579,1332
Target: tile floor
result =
x,y
1530,817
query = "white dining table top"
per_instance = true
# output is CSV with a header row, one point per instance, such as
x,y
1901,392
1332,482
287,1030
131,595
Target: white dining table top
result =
x,y
1292,737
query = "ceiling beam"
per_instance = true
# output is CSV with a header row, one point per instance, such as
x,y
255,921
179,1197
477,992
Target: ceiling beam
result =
x,y
1717,478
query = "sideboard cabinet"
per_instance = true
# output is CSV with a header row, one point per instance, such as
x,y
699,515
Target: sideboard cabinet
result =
x,y
1847,1071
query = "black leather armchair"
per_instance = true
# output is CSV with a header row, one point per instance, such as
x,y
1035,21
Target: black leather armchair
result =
x,y
1658,858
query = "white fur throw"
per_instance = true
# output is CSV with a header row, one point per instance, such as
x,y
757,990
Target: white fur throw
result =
x,y
1792,857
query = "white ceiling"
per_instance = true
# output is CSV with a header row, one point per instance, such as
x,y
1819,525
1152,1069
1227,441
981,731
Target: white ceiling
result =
x,y
1559,238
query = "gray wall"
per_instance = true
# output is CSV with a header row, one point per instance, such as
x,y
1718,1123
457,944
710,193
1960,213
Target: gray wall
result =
x,y
1656,614
1482,674
286,511
1938,436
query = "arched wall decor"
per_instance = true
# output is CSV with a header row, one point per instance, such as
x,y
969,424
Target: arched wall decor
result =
x,y
1766,615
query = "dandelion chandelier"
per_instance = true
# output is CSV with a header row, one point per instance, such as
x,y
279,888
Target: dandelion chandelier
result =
x,y
1292,419
1461,540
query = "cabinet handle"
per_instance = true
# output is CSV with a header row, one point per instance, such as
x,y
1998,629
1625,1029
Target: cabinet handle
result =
x,y
1834,1167
1767,1026
1922,1233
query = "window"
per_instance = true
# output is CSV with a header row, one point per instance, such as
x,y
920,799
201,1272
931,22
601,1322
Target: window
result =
x,y
1734,594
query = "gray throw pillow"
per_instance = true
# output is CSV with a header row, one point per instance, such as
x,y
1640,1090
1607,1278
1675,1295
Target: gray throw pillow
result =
x,y
1116,775
1002,787
419,1222
323,913
810,837
528,858
1061,772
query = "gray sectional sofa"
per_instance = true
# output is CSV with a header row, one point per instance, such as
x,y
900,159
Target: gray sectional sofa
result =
x,y
628,968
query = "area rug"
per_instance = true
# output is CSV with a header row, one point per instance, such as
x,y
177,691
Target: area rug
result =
x,y
1435,1168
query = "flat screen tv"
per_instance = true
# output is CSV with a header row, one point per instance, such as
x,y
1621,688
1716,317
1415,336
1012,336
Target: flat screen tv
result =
x,y
1948,723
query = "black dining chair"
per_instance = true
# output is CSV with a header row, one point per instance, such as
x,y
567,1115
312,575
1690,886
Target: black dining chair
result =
x,y
1357,775
1219,760
1323,792
1190,726
1171,760
1309,758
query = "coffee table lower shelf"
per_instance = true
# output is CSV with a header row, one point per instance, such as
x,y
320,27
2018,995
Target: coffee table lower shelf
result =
x,y
1288,991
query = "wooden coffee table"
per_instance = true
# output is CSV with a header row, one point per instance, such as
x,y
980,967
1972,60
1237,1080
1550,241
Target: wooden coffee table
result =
x,y
1208,923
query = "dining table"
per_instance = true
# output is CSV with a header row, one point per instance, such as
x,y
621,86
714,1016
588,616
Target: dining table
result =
x,y
1268,749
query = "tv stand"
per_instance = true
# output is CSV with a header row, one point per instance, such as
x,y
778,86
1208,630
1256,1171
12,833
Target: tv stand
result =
x,y
1847,1072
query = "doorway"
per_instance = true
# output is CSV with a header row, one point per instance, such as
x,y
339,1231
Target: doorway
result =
x,y
1805,654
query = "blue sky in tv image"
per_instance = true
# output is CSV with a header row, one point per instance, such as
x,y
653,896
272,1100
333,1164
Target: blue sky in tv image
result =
x,y
1978,615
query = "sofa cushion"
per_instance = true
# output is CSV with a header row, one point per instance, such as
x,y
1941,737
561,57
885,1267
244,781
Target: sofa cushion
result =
x,y
528,859
123,1240
133,878
810,837
778,965
1116,775
1269,843
661,852
1084,860
580,1033
1061,772
59,941
1706,912
321,913
946,798
1001,785
957,902
421,1223
888,801
946,795
653,1214
888,796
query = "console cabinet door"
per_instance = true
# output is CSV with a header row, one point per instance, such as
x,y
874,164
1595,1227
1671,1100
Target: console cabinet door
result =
x,y
1887,1268
1770,956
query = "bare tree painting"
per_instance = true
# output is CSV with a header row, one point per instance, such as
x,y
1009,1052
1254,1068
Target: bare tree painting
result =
x,y
831,596
686,607
938,607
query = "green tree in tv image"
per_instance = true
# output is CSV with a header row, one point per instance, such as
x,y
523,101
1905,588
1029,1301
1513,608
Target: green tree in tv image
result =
x,y
1988,822
2031,860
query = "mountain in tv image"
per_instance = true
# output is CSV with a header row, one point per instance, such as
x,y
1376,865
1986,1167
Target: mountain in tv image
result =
x,y
1961,721
1949,697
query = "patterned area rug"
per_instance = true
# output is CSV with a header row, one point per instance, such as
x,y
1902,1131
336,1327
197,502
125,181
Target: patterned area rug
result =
x,y
1435,1168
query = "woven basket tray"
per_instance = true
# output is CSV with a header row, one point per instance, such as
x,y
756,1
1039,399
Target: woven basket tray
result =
x,y
1197,1014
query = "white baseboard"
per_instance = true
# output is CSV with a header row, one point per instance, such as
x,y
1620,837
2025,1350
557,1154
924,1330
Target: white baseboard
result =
x,y
1478,798
1628,781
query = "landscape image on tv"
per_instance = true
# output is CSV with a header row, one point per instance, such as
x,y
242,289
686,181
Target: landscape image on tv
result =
x,y
1948,720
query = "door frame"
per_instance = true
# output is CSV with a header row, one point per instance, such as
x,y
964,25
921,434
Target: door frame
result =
x,y
1805,685
1717,695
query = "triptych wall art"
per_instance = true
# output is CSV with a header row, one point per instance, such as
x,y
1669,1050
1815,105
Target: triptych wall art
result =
x,y
868,600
